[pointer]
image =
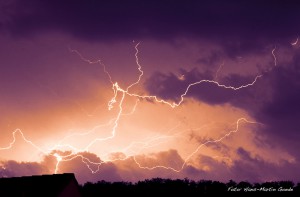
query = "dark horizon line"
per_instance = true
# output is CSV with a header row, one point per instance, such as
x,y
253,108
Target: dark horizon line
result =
x,y
191,181
157,186
158,178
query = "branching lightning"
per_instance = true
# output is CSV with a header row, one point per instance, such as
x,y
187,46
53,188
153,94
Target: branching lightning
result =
x,y
199,147
118,98
93,62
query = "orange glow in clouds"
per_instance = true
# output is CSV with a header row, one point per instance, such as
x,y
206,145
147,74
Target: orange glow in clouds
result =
x,y
134,126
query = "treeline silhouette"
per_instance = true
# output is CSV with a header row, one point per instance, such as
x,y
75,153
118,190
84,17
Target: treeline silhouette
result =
x,y
158,187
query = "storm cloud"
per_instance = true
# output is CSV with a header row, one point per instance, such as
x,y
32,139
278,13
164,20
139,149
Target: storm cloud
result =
x,y
133,19
52,94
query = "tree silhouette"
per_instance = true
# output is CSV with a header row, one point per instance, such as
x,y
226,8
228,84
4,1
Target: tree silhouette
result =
x,y
185,187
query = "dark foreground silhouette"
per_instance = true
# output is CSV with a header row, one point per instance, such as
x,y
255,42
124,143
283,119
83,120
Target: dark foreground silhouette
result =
x,y
66,185
167,187
54,185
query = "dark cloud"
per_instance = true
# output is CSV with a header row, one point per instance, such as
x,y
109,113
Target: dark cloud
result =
x,y
238,27
282,112
171,87
256,169
273,100
246,167
13,168
212,59
112,20
79,165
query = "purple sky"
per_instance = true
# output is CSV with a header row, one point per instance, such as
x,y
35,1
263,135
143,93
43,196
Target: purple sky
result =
x,y
48,92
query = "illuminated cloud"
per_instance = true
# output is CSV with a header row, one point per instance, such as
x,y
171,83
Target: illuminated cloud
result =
x,y
12,168
55,97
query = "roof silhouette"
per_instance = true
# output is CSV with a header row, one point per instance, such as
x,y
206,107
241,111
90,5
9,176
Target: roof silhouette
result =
x,y
56,185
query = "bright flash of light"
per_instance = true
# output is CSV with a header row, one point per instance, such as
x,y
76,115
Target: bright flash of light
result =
x,y
118,98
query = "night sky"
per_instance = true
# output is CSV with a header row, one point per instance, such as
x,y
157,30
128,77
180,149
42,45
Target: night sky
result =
x,y
129,90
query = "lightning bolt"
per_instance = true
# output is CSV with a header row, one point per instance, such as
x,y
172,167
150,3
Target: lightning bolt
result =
x,y
182,96
18,131
197,149
93,62
275,59
118,98
24,138
139,67
220,67
295,42
58,159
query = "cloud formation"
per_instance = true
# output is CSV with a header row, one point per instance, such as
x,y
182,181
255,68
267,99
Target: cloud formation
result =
x,y
272,100
246,167
49,92
115,20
